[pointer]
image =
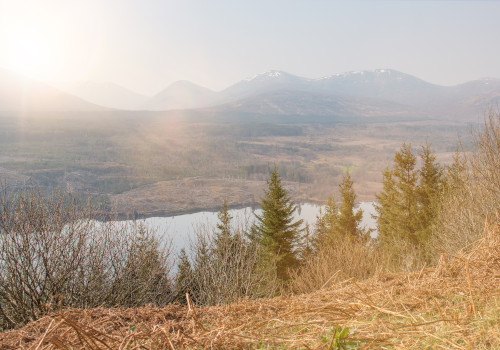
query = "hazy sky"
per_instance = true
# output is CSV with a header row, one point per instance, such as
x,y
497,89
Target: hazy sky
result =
x,y
145,45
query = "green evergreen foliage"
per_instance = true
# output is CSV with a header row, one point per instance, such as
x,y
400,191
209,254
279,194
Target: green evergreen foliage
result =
x,y
387,222
307,246
408,204
398,203
326,223
340,222
224,265
276,231
348,223
224,224
453,174
184,277
145,271
428,191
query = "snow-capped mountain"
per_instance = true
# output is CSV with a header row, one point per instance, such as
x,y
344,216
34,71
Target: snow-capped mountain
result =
x,y
386,84
266,82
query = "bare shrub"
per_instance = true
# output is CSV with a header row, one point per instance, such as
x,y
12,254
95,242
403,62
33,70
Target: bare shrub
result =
x,y
472,191
53,251
336,260
225,269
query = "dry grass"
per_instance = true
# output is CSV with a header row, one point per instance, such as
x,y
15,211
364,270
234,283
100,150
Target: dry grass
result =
x,y
335,262
453,306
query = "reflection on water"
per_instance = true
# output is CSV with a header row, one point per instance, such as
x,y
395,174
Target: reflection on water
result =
x,y
181,228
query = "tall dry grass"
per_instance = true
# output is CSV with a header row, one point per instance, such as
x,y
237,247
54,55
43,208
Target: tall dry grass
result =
x,y
472,191
335,261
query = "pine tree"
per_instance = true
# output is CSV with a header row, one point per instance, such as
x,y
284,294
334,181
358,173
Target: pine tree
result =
x,y
408,204
326,223
398,203
224,224
453,176
348,223
184,277
428,191
307,245
387,222
145,274
275,230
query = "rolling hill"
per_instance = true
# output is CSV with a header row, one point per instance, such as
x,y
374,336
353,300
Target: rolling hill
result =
x,y
20,94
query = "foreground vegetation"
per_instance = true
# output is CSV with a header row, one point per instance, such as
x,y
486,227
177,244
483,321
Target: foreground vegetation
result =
x,y
452,306
431,277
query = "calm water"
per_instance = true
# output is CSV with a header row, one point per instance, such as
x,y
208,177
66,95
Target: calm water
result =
x,y
181,229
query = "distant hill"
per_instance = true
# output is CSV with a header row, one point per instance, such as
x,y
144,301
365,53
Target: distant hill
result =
x,y
182,95
304,103
18,93
109,95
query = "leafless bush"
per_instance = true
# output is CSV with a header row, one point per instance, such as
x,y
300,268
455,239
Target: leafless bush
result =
x,y
226,269
53,251
472,191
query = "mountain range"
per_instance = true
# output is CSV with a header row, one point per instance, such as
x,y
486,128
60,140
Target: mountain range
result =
x,y
382,92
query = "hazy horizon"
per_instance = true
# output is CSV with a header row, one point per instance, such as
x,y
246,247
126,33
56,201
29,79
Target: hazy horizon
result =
x,y
147,46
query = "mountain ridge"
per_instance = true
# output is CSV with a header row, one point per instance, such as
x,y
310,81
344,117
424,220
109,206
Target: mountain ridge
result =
x,y
379,92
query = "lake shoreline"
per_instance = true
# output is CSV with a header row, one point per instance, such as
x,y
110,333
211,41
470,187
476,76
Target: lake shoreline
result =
x,y
172,213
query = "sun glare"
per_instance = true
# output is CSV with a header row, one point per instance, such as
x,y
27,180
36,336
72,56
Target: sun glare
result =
x,y
31,52
41,43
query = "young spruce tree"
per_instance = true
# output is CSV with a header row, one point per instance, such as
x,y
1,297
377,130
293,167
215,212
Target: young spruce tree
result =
x,y
429,191
275,229
340,222
398,203
223,232
326,223
183,278
349,222
407,205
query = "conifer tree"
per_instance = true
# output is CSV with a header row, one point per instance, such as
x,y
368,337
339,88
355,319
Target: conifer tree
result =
x,y
408,204
453,175
144,271
275,229
184,277
326,223
398,203
224,224
387,222
428,191
340,222
307,246
349,222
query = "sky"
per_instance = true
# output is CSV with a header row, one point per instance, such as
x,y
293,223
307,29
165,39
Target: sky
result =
x,y
145,45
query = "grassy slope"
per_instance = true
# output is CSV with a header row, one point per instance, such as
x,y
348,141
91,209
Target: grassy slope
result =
x,y
453,306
